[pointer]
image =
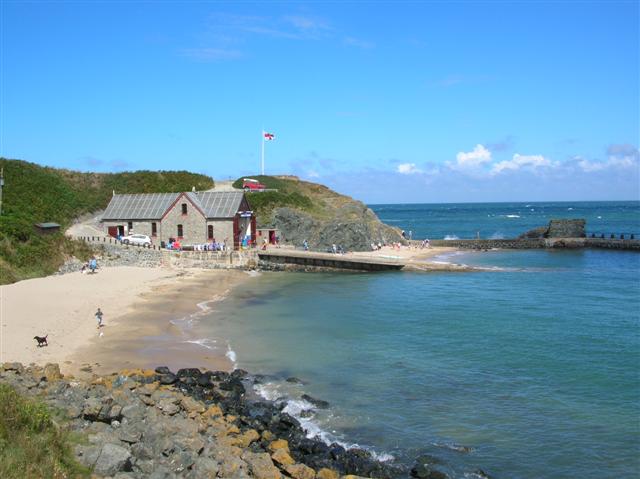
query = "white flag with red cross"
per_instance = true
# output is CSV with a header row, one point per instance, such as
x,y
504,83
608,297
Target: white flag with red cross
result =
x,y
268,136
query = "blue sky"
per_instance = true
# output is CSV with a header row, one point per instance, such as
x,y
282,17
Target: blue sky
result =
x,y
385,101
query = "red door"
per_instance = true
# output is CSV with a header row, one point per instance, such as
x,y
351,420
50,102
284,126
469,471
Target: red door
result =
x,y
113,231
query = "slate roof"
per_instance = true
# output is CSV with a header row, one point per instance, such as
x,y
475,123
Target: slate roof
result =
x,y
152,206
218,204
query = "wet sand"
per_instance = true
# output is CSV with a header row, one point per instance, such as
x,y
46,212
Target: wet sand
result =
x,y
156,330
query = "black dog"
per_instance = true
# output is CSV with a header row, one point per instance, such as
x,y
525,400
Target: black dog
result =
x,y
42,341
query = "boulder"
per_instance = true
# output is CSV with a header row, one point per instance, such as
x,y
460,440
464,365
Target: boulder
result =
x,y
282,457
300,471
261,466
319,403
112,459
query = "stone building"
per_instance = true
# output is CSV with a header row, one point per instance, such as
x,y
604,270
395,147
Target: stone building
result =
x,y
191,217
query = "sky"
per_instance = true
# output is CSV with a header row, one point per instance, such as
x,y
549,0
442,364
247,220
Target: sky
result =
x,y
388,102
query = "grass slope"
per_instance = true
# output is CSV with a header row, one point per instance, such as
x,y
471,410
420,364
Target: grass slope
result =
x,y
34,194
317,200
31,444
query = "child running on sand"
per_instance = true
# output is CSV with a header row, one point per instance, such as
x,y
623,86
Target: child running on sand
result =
x,y
98,316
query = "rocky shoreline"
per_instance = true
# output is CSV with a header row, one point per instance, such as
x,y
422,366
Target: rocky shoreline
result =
x,y
195,424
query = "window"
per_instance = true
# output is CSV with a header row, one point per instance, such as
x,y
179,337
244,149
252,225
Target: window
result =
x,y
130,225
154,229
210,231
184,208
179,231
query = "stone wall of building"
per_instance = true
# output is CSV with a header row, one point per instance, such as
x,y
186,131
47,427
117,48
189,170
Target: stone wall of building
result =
x,y
222,231
194,224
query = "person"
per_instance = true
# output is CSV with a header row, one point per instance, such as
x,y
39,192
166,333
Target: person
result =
x,y
84,268
305,245
404,235
410,235
334,248
99,317
264,244
93,264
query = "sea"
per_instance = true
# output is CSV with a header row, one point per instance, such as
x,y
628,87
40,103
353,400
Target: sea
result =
x,y
527,369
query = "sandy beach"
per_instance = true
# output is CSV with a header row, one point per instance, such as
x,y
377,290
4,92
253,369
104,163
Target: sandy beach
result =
x,y
62,307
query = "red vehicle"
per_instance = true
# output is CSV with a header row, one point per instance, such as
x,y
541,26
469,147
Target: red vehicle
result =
x,y
250,184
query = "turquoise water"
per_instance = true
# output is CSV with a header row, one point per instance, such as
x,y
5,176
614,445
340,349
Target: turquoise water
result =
x,y
530,370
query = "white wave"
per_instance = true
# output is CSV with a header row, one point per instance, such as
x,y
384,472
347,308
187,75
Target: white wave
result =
x,y
569,209
451,237
496,235
295,407
253,273
599,217
512,216
231,354
205,342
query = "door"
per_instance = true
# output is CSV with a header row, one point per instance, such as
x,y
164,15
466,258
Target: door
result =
x,y
113,231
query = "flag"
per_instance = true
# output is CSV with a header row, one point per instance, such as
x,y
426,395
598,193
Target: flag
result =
x,y
268,136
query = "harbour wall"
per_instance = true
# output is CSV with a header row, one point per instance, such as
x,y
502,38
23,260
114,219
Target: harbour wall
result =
x,y
539,243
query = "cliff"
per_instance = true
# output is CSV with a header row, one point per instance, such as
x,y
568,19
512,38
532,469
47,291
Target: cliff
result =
x,y
304,210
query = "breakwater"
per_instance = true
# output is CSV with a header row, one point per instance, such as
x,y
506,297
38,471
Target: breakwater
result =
x,y
538,243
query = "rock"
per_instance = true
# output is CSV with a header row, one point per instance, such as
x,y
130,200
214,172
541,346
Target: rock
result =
x,y
193,373
247,437
205,467
180,461
279,444
191,405
261,466
129,435
168,407
133,412
141,451
162,370
232,466
112,459
294,380
319,403
91,408
326,473
282,457
300,471
423,470
17,367
167,378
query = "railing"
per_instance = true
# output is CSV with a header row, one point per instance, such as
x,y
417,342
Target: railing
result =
x,y
111,240
607,235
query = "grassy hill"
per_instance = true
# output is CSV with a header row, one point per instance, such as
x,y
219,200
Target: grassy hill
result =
x,y
34,194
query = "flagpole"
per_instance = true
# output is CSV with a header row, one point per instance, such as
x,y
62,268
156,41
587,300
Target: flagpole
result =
x,y
262,161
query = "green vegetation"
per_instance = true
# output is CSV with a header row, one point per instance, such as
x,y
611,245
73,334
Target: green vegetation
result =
x,y
32,445
34,194
312,198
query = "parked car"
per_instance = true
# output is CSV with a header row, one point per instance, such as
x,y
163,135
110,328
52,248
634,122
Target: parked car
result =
x,y
143,240
249,184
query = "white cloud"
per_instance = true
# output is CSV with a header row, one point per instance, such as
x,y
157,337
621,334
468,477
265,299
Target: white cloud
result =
x,y
620,157
408,169
313,174
471,160
520,161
